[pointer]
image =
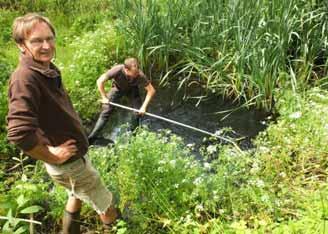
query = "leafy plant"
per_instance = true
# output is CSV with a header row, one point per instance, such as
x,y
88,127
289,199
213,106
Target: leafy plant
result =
x,y
14,224
6,69
94,52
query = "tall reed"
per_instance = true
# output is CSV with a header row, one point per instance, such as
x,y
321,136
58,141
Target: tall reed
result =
x,y
237,48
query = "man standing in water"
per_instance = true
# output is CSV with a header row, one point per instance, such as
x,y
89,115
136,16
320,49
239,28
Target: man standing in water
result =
x,y
126,78
43,123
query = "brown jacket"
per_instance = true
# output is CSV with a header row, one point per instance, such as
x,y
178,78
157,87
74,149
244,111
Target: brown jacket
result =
x,y
40,111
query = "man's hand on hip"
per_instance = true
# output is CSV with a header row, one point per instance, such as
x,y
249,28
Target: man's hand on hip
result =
x,y
64,151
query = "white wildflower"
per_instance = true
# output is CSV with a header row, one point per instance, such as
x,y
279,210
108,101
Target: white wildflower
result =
x,y
262,23
162,162
265,198
197,181
260,183
173,162
255,168
282,174
295,115
207,166
326,127
264,149
199,207
218,132
211,149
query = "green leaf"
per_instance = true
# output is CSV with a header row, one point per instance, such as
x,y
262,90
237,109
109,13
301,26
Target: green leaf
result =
x,y
10,215
11,223
21,200
5,205
31,209
20,230
7,227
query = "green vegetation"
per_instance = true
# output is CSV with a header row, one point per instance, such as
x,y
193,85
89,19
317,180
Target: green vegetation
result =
x,y
241,49
271,54
5,71
280,186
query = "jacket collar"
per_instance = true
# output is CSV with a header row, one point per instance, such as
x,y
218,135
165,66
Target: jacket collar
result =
x,y
50,72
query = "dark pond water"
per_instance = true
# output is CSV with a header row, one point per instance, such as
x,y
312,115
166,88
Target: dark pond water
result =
x,y
187,109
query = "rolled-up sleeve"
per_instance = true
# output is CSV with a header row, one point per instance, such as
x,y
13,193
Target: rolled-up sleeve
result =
x,y
113,71
22,119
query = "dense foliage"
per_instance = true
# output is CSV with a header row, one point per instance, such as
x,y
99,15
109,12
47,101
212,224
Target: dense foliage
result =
x,y
5,69
241,49
280,186
267,53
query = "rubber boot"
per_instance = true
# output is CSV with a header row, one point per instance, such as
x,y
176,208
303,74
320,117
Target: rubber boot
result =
x,y
98,127
116,215
135,122
71,222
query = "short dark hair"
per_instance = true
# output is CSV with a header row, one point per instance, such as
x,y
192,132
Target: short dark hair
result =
x,y
23,25
131,63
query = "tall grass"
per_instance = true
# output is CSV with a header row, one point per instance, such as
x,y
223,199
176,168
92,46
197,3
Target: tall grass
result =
x,y
236,48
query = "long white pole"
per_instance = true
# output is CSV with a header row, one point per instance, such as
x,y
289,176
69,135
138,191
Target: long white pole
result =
x,y
177,123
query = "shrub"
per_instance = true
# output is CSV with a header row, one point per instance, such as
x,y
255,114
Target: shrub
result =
x,y
22,194
6,20
273,184
5,69
266,189
94,52
157,179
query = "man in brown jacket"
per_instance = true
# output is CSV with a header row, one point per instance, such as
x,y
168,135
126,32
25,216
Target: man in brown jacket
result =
x,y
43,123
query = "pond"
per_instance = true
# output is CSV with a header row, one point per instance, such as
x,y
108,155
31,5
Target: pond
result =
x,y
186,107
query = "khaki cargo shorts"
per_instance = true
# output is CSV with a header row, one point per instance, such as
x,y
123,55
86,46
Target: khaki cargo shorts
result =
x,y
82,181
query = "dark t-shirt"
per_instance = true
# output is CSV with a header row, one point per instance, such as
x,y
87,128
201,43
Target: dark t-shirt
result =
x,y
123,82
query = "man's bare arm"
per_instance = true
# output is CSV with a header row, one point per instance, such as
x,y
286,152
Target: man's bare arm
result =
x,y
101,87
150,93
